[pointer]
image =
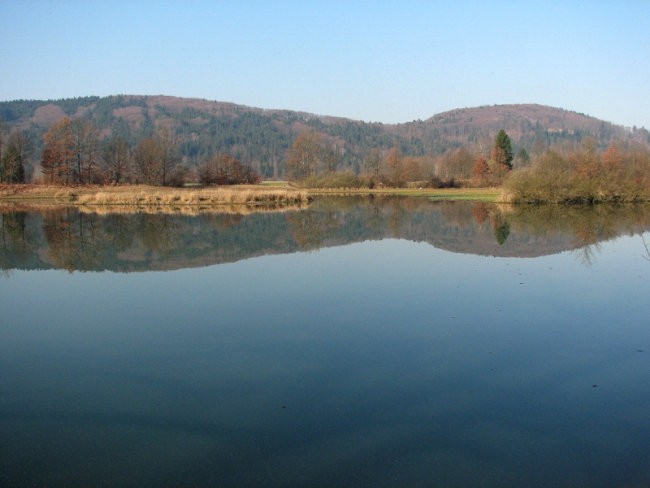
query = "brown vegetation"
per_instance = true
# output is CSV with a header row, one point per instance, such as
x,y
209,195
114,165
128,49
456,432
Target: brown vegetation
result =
x,y
584,175
142,195
82,150
226,170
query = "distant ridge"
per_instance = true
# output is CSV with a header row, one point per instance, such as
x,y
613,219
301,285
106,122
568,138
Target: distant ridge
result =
x,y
261,137
520,119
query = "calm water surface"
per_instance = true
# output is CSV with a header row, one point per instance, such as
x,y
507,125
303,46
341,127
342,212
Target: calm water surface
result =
x,y
354,343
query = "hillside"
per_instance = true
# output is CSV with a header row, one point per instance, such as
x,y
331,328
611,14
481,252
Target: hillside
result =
x,y
262,137
526,124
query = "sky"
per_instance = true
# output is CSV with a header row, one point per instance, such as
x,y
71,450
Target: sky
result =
x,y
377,61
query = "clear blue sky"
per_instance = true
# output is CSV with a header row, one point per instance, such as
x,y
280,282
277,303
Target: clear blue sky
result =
x,y
387,61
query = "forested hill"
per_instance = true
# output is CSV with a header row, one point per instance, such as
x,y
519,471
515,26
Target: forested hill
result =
x,y
262,137
526,124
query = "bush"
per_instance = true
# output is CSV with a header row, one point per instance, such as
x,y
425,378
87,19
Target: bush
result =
x,y
437,182
584,176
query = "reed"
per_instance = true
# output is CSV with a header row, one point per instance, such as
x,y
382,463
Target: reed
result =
x,y
187,210
140,195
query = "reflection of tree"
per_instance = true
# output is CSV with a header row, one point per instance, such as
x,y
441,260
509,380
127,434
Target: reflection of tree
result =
x,y
374,219
397,217
587,253
158,232
480,212
458,214
501,232
59,236
310,229
586,225
590,229
73,240
647,251
122,242
586,234
14,246
89,241
222,222
119,231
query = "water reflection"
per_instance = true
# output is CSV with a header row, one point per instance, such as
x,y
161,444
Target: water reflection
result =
x,y
383,363
83,240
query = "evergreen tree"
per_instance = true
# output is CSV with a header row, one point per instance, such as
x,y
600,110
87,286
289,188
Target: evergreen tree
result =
x,y
523,157
502,150
12,164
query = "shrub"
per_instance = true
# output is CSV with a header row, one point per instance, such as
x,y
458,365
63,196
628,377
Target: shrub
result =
x,y
584,176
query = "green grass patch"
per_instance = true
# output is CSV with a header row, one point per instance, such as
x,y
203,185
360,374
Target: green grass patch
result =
x,y
275,183
476,195
469,194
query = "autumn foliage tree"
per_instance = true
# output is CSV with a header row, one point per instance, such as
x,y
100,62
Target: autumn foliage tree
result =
x,y
395,167
155,159
86,151
456,164
304,155
481,171
146,160
226,170
71,152
169,157
584,175
502,154
613,159
58,156
372,165
117,161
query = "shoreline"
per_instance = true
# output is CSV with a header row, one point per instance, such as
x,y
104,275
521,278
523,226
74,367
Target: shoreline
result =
x,y
236,195
151,196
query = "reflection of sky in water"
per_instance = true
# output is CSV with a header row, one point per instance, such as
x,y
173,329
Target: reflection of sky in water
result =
x,y
384,363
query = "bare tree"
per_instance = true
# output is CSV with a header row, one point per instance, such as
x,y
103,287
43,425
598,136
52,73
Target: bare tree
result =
x,y
147,158
117,161
86,142
304,155
156,158
168,154
59,152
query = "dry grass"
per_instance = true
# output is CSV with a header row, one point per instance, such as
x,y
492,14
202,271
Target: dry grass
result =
x,y
144,196
189,210
191,201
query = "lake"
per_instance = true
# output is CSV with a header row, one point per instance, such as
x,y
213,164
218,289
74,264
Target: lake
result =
x,y
355,342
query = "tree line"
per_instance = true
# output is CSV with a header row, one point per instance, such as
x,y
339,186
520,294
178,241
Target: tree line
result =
x,y
569,172
315,160
261,138
74,154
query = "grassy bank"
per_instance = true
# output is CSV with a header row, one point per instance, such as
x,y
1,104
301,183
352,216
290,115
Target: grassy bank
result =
x,y
140,195
472,194
276,194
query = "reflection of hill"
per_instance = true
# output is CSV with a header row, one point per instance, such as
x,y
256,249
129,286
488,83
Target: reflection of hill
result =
x,y
71,240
